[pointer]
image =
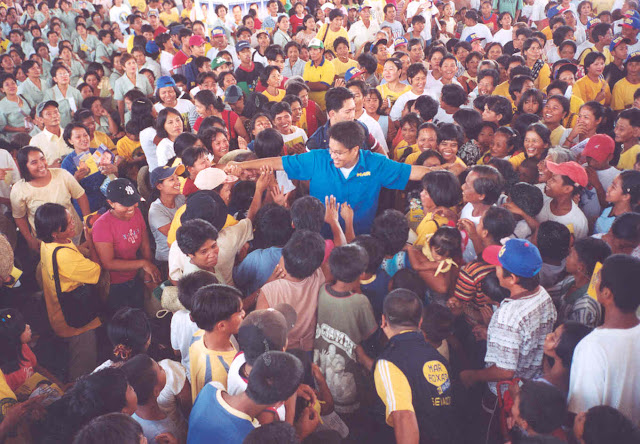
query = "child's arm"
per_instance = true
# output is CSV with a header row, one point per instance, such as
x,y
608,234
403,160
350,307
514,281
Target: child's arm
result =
x,y
261,186
331,217
184,399
347,215
324,394
531,221
426,271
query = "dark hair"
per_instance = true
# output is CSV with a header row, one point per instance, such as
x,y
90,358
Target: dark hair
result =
x,y
22,159
446,241
215,303
490,287
527,197
307,213
631,185
560,34
535,94
450,131
437,322
427,107
604,424
110,428
66,134
336,97
272,226
392,230
191,155
162,119
443,188
572,333
266,73
541,130
590,251
402,308
627,227
374,251
129,331
554,240
141,376
499,223
12,327
409,279
495,75
268,143
500,105
193,234
469,120
279,432
489,182
620,274
49,218
590,58
303,254
274,377
141,114
349,134
348,262
368,62
542,405
190,283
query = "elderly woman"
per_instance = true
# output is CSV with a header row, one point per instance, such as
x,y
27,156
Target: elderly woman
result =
x,y
38,185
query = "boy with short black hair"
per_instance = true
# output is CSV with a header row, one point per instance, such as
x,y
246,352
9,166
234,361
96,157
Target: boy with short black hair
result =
x,y
374,283
182,327
197,239
538,409
497,109
391,229
217,311
524,198
627,132
554,241
611,354
344,312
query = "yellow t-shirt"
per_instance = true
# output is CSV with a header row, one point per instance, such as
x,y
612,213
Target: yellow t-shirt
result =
x,y
126,148
587,90
330,36
574,107
608,58
622,97
503,90
278,98
74,270
343,67
176,223
100,138
207,365
169,17
325,72
517,160
411,158
429,225
628,158
556,134
386,92
543,80
140,4
404,151
393,388
547,32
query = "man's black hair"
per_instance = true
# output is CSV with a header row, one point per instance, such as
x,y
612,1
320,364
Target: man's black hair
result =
x,y
517,83
303,254
572,333
554,240
272,226
402,308
273,51
604,424
368,62
392,230
274,377
527,197
500,105
590,251
499,223
336,97
348,262
307,213
437,322
443,188
469,120
349,134
542,405
141,376
453,95
215,303
190,283
528,283
268,143
409,279
375,254
110,428
193,234
427,107
620,273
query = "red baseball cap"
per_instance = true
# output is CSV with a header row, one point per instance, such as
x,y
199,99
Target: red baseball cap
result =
x,y
196,40
599,147
572,169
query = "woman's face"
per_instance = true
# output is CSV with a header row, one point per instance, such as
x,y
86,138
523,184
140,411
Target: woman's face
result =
x,y
553,339
92,81
543,172
534,51
597,67
37,165
434,61
275,78
390,73
449,69
201,109
494,52
10,87
304,97
284,24
588,119
449,150
485,136
568,77
371,103
293,54
427,140
228,81
86,92
553,112
260,124
220,146
173,125
70,232
614,192
472,66
499,146
425,199
531,105
130,66
62,77
534,146
168,96
296,111
505,21
409,133
122,212
169,186
585,10
80,139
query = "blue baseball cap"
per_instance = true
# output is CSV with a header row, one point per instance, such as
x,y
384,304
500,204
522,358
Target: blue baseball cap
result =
x,y
634,56
592,22
400,41
473,37
631,22
165,81
152,47
351,73
518,256
164,172
617,42
552,12
242,44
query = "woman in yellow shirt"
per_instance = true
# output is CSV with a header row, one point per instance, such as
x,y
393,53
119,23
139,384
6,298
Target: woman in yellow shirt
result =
x,y
593,86
271,77
540,71
169,14
392,89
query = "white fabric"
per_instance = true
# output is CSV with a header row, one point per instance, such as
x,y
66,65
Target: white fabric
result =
x,y
148,147
427,13
6,161
575,217
182,330
480,29
503,36
165,151
398,106
375,129
605,371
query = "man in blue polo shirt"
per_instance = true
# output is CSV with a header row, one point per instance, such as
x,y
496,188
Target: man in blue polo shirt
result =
x,y
341,107
345,171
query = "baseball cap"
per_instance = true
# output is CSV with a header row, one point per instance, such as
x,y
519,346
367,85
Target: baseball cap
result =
x,y
552,12
400,41
634,55
599,147
262,331
517,256
316,43
573,170
364,5
217,32
631,22
232,94
42,105
152,47
351,73
211,178
473,37
164,172
218,62
165,81
242,44
196,40
617,42
206,204
592,22
123,192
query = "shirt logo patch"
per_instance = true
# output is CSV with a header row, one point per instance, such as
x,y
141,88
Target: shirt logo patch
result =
x,y
437,375
364,174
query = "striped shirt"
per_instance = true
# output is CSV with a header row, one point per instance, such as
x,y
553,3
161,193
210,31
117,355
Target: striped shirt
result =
x,y
469,283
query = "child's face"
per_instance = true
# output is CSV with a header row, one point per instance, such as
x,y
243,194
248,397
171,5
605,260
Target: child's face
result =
x,y
427,202
436,256
624,131
206,257
199,165
615,193
555,187
572,263
485,137
499,146
486,9
531,106
409,133
449,150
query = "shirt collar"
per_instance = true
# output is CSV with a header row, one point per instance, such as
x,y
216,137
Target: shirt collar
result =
x,y
321,64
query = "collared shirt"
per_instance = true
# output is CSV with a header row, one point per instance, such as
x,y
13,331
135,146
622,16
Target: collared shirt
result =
x,y
320,138
67,104
123,85
296,70
362,187
359,34
31,92
52,146
324,72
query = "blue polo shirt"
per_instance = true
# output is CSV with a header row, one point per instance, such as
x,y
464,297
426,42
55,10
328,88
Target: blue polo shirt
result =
x,y
360,190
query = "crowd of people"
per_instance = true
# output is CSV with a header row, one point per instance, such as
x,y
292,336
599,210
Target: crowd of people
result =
x,y
381,221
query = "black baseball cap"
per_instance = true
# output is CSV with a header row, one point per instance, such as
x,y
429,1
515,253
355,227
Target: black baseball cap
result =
x,y
122,191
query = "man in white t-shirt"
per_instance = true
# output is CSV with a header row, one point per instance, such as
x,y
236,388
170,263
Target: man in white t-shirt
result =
x,y
606,363
473,27
428,10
